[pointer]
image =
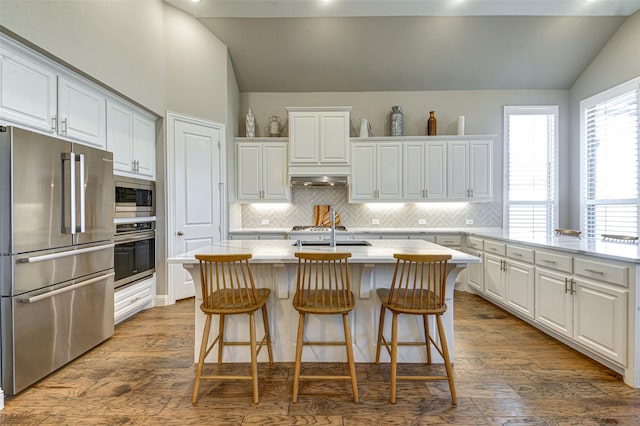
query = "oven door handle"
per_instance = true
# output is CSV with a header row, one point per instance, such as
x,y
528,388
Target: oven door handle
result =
x,y
65,289
121,239
51,256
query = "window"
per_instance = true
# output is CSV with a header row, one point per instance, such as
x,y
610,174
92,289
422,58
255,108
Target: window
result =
x,y
531,177
609,146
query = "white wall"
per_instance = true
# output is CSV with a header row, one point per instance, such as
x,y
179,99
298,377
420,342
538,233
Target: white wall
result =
x,y
119,43
617,62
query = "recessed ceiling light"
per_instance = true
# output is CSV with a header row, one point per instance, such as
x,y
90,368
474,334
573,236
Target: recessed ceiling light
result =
x,y
195,1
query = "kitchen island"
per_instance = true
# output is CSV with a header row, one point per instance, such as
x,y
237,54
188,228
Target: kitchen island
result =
x,y
274,266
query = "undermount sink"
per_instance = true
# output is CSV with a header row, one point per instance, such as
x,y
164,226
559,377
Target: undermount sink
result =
x,y
328,243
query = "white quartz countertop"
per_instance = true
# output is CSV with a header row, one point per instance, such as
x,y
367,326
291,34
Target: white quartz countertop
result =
x,y
282,251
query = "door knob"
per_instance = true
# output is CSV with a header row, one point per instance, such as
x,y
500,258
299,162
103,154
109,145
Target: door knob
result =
x,y
180,233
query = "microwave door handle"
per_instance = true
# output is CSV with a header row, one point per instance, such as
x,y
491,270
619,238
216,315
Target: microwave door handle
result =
x,y
68,193
81,189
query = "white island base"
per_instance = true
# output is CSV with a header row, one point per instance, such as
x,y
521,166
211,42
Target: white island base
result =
x,y
274,267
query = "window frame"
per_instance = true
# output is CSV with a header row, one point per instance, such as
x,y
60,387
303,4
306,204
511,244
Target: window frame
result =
x,y
510,110
606,95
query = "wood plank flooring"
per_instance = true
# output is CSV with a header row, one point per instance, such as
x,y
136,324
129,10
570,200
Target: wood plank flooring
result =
x,y
506,372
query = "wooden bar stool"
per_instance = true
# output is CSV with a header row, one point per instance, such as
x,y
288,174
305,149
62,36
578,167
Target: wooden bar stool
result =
x,y
228,289
323,288
417,288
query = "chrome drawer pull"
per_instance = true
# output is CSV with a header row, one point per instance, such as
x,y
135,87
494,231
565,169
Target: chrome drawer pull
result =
x,y
593,271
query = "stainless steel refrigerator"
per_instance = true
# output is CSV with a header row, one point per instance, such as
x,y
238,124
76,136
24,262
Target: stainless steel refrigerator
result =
x,y
56,253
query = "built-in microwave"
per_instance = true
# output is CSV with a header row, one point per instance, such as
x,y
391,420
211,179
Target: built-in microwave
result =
x,y
134,197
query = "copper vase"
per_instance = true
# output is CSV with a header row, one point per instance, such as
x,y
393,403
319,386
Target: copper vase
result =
x,y
431,124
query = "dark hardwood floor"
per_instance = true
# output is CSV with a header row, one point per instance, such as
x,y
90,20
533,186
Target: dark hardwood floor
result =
x,y
506,372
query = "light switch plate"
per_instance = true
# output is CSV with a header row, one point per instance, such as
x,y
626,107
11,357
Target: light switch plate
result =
x,y
264,222
469,221
422,221
375,221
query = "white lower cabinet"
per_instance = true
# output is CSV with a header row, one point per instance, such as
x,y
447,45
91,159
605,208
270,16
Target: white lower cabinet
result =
x,y
591,313
475,272
134,298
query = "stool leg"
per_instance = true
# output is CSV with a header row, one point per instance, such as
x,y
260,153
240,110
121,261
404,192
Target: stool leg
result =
x,y
203,350
394,356
352,367
221,338
254,361
265,321
425,320
296,368
445,355
380,328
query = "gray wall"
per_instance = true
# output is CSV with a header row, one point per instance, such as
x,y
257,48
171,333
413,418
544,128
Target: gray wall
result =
x,y
483,111
617,62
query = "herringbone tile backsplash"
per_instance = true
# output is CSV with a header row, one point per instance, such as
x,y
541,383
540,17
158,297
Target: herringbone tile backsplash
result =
x,y
390,215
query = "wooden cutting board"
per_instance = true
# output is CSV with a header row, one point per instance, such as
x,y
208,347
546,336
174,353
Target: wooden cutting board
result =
x,y
322,217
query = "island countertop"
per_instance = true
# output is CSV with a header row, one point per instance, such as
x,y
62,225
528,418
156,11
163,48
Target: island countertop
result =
x,y
283,251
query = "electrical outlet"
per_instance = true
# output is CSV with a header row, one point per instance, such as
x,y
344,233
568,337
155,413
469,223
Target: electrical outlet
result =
x,y
469,221
422,221
264,222
375,221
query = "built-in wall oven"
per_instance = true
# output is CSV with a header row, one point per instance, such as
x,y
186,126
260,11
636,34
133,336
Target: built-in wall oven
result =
x,y
135,239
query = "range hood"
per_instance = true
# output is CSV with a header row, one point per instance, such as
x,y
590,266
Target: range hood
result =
x,y
319,180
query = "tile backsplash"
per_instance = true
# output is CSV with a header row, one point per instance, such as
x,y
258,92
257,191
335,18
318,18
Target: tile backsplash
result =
x,y
389,215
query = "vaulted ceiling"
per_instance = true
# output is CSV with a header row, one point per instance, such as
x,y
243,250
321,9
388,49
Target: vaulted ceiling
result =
x,y
376,45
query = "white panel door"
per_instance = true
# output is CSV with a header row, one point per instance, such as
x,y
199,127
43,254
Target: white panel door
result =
x,y
27,91
334,137
363,172
389,171
274,172
196,207
144,145
553,304
458,171
304,137
436,171
249,171
493,276
120,136
519,292
81,113
480,170
414,171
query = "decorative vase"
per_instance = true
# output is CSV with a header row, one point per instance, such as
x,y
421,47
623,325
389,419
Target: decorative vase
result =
x,y
364,128
251,124
274,126
461,125
396,120
431,124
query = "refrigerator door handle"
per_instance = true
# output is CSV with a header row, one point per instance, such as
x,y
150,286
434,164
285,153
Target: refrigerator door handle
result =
x,y
69,215
51,256
81,189
64,289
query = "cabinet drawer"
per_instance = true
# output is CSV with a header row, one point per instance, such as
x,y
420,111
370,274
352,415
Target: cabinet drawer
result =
x,y
607,272
520,253
451,240
476,243
495,247
556,261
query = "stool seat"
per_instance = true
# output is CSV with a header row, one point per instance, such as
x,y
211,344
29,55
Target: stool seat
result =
x,y
231,302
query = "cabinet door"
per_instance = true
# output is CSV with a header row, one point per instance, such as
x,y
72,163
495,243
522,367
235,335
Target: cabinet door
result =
x,y
458,171
553,304
27,91
413,182
519,293
363,170
480,170
81,113
475,273
389,171
334,137
493,277
303,137
144,145
436,171
600,318
274,172
249,172
120,136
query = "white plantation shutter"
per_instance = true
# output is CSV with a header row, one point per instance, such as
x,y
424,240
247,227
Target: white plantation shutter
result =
x,y
531,133
610,161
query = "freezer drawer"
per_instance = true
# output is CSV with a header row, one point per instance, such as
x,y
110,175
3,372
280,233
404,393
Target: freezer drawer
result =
x,y
41,332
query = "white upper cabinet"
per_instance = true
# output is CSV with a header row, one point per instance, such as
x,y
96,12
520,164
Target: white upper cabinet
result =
x,y
131,137
425,171
81,112
469,171
28,91
319,140
376,172
262,171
